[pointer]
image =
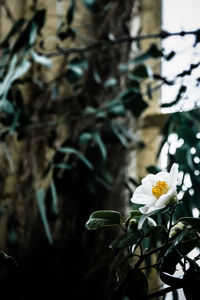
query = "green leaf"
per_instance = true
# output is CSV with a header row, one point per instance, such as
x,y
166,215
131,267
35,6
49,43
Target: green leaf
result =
x,y
194,222
69,150
122,268
7,107
177,250
91,5
125,240
103,218
110,82
27,38
84,138
152,52
100,143
134,102
153,169
70,12
14,73
15,29
156,230
119,135
141,72
54,198
62,166
40,195
145,216
41,59
74,73
135,214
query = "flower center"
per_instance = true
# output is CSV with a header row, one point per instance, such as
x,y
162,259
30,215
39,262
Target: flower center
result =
x,y
160,188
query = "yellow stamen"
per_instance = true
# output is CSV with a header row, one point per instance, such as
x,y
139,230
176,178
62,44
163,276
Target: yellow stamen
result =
x,y
160,189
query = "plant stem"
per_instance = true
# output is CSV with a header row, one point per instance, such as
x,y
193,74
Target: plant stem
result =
x,y
108,43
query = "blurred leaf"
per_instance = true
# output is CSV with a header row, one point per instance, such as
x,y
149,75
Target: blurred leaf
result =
x,y
54,198
85,137
76,68
15,29
74,73
141,72
28,35
103,218
110,82
62,166
152,52
70,12
40,195
134,102
69,32
69,150
91,5
125,240
119,135
14,72
100,143
7,107
153,169
41,59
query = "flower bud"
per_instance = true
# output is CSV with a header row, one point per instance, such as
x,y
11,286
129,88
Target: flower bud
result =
x,y
133,224
176,229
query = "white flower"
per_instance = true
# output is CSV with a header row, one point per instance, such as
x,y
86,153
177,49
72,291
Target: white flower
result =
x,y
156,191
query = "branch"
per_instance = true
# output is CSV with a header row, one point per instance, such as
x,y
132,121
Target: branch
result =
x,y
109,43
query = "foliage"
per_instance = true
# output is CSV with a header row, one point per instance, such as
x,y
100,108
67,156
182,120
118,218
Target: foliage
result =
x,y
145,235
83,158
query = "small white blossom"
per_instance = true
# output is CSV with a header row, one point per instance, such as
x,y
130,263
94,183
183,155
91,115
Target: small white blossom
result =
x,y
156,191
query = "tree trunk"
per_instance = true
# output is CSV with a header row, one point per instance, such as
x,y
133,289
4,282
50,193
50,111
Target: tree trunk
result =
x,y
76,262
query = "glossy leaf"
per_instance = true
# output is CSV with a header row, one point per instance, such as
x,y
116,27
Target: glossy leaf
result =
x,y
194,222
103,218
125,240
177,250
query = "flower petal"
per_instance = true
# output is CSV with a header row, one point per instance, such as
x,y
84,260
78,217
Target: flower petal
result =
x,y
140,197
148,209
164,199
